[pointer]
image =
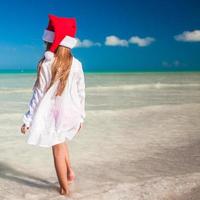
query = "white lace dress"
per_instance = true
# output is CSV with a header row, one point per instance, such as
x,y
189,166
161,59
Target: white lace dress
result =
x,y
52,118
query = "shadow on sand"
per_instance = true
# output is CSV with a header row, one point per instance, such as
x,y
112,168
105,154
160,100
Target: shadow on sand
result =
x,y
11,174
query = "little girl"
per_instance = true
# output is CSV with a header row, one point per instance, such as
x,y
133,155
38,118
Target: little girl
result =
x,y
57,107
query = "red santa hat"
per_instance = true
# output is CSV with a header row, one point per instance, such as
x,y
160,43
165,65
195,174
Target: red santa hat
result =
x,y
48,35
64,33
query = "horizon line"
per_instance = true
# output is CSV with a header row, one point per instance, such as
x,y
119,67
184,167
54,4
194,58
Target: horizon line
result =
x,y
30,71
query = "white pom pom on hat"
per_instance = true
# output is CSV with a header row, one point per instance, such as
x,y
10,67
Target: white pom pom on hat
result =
x,y
49,55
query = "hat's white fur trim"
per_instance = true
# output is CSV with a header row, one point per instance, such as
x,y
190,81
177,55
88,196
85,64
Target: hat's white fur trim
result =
x,y
69,42
48,36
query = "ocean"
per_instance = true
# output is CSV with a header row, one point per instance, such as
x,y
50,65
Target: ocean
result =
x,y
140,140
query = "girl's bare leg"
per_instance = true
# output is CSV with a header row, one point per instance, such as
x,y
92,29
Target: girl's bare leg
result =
x,y
70,172
59,154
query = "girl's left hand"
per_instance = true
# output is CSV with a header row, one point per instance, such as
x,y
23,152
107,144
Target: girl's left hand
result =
x,y
24,129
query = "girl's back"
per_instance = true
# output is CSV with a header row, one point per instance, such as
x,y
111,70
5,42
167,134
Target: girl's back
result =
x,y
58,105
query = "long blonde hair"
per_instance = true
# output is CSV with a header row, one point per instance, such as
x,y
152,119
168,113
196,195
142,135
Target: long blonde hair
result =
x,y
60,68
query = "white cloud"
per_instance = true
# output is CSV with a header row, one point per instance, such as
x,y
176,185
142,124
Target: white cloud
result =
x,y
87,43
115,41
141,42
188,36
166,64
175,63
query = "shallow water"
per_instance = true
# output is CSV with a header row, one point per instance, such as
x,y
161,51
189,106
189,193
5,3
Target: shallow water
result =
x,y
140,140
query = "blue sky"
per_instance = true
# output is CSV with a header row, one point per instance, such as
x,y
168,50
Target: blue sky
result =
x,y
128,35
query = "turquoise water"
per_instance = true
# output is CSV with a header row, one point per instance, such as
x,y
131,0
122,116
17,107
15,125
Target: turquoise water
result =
x,y
111,91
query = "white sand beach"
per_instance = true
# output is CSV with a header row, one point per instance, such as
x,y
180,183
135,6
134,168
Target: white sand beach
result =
x,y
140,140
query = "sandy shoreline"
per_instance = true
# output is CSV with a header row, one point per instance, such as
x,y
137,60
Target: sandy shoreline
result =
x,y
155,159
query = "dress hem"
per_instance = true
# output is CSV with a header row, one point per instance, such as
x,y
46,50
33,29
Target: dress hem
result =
x,y
48,146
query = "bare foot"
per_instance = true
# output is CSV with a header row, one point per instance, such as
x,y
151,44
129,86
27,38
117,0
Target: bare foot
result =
x,y
70,175
65,191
